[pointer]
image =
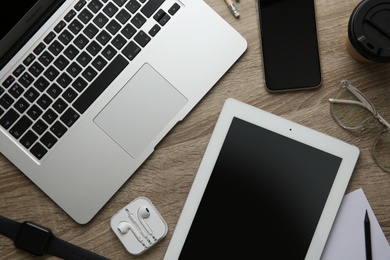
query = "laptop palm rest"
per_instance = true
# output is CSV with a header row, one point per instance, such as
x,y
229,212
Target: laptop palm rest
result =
x,y
146,104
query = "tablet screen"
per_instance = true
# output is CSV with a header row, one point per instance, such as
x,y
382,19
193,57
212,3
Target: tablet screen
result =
x,y
264,197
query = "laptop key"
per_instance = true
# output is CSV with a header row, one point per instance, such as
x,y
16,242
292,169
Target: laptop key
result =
x,y
16,90
40,127
84,58
20,127
69,95
49,37
79,84
46,58
38,151
89,73
31,94
81,41
44,101
120,2
109,52
99,63
91,30
51,73
128,31
71,52
9,118
123,16
41,84
154,30
56,47
142,38
131,50
65,37
58,129
110,9
113,27
21,105
175,7
85,16
118,42
151,6
95,6
61,62
74,69
100,84
75,26
30,58
48,140
138,20
103,37
41,46
28,139
100,20
6,101
64,80
60,105
49,116
69,117
34,112
8,82
36,69
80,5
93,48
18,70
26,79
61,25
133,6
69,16
163,17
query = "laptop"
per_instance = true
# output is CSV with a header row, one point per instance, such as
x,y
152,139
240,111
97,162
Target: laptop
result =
x,y
88,88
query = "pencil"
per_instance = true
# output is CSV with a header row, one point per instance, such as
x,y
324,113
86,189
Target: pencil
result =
x,y
232,8
367,236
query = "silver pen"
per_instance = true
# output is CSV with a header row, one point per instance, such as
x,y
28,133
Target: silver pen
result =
x,y
232,8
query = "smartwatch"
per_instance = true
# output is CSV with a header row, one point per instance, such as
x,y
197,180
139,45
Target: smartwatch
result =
x,y
38,240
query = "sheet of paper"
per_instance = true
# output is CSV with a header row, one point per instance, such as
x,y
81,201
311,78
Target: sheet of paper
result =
x,y
346,240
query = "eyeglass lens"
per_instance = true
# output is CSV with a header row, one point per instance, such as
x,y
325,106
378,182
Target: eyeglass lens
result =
x,y
350,116
381,150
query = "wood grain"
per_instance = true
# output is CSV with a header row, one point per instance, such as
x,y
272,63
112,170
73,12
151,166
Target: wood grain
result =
x,y
166,177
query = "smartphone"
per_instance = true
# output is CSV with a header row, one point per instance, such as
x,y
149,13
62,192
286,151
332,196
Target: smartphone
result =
x,y
289,44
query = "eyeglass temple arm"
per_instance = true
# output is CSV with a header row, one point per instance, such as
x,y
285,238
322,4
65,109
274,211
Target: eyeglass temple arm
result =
x,y
364,104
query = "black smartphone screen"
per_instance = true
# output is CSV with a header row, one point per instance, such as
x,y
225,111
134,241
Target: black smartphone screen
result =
x,y
289,44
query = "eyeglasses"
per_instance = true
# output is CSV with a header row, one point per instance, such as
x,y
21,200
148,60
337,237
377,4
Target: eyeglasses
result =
x,y
353,111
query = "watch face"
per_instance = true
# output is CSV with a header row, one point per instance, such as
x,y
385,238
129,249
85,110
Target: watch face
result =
x,y
33,238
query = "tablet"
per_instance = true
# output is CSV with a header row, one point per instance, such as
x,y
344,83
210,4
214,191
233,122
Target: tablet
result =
x,y
266,188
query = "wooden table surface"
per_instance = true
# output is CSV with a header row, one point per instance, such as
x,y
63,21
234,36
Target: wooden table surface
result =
x,y
166,177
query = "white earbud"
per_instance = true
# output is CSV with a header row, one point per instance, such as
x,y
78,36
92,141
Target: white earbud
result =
x,y
144,213
124,228
137,225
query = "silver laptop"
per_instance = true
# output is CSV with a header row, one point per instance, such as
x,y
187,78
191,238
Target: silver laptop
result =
x,y
89,87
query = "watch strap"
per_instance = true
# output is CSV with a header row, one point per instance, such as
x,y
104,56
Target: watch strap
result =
x,y
66,250
57,247
9,227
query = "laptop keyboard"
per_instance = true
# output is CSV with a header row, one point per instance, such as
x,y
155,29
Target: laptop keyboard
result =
x,y
66,72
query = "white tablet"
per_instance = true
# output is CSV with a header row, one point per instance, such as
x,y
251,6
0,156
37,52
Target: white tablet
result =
x,y
266,188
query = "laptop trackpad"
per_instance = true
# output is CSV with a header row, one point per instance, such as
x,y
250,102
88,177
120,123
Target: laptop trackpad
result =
x,y
140,110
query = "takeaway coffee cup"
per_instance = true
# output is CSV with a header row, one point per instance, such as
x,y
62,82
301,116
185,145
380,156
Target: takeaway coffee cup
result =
x,y
369,31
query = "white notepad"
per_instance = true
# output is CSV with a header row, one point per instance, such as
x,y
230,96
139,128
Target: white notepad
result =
x,y
346,240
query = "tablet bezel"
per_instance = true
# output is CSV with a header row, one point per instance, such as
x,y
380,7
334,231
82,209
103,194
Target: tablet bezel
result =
x,y
237,109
